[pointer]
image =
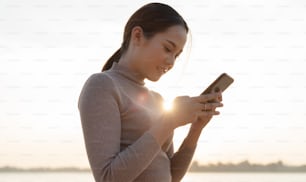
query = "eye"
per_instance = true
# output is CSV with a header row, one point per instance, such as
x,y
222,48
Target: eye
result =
x,y
167,49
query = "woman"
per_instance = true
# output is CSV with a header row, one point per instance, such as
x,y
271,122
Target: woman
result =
x,y
127,133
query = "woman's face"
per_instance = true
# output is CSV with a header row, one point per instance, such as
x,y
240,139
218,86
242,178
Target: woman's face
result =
x,y
157,54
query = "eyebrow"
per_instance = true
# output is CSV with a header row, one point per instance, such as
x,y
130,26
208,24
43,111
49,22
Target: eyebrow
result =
x,y
172,43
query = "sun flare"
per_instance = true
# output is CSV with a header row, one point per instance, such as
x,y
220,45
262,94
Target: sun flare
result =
x,y
168,105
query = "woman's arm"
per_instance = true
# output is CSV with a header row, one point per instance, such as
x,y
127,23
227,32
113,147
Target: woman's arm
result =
x,y
181,160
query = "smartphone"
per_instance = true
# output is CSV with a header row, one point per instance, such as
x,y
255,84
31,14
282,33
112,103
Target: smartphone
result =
x,y
220,84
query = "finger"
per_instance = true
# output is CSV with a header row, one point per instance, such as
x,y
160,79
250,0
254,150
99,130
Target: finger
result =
x,y
211,107
220,96
206,97
208,113
214,105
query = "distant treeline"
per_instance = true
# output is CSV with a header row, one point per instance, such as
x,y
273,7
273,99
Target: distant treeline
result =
x,y
246,166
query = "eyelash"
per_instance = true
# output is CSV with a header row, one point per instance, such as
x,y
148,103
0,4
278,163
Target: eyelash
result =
x,y
167,49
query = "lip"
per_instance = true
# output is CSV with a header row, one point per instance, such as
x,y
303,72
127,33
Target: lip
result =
x,y
163,69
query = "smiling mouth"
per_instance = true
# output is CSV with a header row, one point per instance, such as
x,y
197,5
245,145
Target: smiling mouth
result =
x,y
163,69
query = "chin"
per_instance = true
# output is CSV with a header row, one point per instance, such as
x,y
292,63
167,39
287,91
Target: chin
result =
x,y
154,79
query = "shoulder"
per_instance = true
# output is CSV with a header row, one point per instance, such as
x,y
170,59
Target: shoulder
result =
x,y
97,88
98,84
99,80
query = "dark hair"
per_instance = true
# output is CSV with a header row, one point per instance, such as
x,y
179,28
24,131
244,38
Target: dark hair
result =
x,y
152,18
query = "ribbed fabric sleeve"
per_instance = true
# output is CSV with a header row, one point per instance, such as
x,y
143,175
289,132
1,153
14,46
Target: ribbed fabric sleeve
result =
x,y
100,116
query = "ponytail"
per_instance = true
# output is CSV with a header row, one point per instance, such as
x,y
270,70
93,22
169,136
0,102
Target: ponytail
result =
x,y
114,58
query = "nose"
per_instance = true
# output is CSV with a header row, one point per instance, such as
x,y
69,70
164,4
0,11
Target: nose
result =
x,y
170,60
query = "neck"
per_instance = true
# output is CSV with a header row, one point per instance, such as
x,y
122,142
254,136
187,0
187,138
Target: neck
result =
x,y
130,63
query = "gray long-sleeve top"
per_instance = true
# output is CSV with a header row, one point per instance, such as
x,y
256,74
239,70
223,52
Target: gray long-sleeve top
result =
x,y
116,111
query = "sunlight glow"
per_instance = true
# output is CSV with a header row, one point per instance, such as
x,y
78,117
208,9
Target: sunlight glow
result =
x,y
168,105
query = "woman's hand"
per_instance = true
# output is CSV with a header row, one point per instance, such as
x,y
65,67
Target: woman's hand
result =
x,y
197,110
210,107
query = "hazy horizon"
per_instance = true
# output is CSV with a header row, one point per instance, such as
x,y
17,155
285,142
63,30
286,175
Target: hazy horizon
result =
x,y
49,49
192,165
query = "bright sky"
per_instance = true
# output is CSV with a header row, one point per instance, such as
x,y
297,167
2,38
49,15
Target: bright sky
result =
x,y
49,48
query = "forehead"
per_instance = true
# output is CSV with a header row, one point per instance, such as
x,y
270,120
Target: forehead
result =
x,y
176,34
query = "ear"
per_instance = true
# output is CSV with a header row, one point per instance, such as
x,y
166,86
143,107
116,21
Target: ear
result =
x,y
137,35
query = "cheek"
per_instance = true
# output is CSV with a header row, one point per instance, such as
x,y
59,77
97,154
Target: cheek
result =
x,y
154,57
159,55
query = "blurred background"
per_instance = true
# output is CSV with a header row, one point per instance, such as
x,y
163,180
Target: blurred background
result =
x,y
49,48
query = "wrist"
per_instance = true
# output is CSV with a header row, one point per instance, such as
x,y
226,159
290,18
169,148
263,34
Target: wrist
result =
x,y
193,135
196,128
